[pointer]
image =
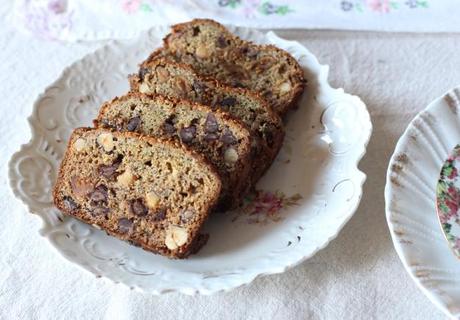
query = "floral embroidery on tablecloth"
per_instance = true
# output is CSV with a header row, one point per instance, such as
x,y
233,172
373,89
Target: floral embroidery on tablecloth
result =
x,y
134,6
252,7
48,19
262,207
74,20
448,200
383,6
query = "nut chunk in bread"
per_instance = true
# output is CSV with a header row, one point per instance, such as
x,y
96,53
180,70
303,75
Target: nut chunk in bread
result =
x,y
152,193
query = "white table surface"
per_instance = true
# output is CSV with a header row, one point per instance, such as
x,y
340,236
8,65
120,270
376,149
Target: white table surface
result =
x,y
358,276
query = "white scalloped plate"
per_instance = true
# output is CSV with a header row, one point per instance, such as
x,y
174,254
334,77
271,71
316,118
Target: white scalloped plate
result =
x,y
325,140
410,196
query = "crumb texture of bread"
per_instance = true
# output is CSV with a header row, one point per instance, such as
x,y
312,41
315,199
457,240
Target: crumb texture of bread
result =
x,y
155,194
168,78
223,140
213,51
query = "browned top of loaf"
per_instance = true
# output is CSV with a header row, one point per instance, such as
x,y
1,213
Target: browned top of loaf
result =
x,y
224,140
147,191
213,51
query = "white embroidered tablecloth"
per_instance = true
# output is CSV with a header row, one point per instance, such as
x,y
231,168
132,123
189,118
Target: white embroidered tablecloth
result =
x,y
102,19
358,276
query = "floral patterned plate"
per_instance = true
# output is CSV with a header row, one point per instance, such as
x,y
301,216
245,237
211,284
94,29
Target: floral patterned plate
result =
x,y
410,197
448,200
309,193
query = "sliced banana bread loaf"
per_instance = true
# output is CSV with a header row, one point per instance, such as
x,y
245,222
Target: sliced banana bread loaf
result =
x,y
177,80
154,194
213,51
223,140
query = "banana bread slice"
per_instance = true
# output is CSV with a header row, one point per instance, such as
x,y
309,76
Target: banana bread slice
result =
x,y
213,51
152,193
223,140
176,80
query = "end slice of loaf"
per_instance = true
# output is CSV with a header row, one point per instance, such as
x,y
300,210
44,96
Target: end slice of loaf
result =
x,y
223,140
213,51
176,80
154,194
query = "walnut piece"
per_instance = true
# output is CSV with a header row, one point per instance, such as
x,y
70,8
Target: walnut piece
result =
x,y
126,178
106,141
230,156
175,237
152,200
285,87
80,144
144,88
202,52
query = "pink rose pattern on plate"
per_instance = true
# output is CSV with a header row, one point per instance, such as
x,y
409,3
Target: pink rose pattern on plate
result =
x,y
263,207
448,200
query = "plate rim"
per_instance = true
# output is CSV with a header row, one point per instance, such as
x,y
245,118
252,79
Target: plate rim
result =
x,y
389,193
348,212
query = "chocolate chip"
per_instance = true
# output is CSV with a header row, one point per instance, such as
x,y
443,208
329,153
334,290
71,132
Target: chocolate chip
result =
x,y
109,171
196,31
228,102
124,225
266,62
186,215
252,53
211,124
106,124
221,42
228,137
138,207
69,203
267,94
198,86
133,124
211,136
269,138
118,125
168,125
159,215
187,134
237,84
282,69
100,211
99,195
143,72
